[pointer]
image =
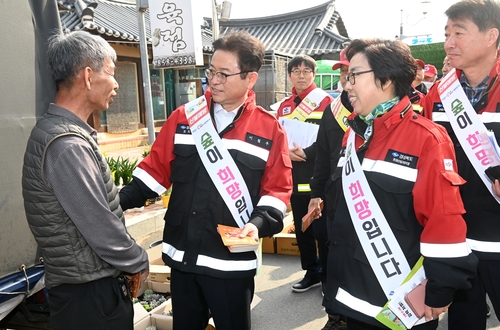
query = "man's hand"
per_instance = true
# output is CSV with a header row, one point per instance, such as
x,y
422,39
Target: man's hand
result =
x,y
314,203
496,187
297,154
136,281
250,230
433,313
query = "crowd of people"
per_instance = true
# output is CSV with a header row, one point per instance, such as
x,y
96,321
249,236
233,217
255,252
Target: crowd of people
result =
x,y
398,163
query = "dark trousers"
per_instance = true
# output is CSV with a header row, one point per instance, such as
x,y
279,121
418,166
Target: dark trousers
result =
x,y
468,310
93,305
306,241
194,297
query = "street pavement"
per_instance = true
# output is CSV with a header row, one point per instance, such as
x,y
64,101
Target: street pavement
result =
x,y
278,307
282,309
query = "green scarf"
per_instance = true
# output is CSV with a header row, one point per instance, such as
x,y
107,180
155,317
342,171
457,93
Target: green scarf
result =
x,y
379,110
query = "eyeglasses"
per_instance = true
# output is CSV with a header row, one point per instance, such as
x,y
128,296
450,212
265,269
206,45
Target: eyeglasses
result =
x,y
351,76
221,76
297,72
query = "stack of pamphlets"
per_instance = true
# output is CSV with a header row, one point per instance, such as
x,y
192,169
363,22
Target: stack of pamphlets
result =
x,y
230,238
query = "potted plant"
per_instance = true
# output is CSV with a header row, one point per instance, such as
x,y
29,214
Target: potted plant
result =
x,y
165,197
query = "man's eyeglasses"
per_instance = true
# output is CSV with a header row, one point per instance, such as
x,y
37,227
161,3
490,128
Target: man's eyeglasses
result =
x,y
221,76
351,76
297,72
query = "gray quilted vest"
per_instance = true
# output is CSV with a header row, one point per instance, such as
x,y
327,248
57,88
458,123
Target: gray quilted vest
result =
x,y
68,259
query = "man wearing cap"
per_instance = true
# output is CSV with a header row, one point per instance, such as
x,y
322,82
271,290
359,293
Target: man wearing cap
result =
x,y
328,144
306,104
430,73
419,77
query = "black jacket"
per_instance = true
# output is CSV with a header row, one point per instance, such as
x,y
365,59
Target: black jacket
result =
x,y
328,145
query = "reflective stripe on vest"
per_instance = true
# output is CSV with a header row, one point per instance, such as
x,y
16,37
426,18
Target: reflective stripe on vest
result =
x,y
483,246
303,187
357,304
211,262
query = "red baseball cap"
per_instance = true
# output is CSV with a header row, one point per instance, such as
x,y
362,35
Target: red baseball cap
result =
x,y
430,70
343,60
420,63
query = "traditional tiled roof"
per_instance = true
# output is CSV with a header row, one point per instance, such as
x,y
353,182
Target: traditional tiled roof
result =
x,y
314,31
115,19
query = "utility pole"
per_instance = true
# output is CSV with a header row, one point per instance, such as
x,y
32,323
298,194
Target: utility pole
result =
x,y
401,26
142,5
219,13
215,21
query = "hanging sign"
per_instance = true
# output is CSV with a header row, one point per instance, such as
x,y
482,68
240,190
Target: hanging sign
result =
x,y
175,34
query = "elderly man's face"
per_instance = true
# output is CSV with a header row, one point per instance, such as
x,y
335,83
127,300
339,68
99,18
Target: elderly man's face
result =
x,y
103,86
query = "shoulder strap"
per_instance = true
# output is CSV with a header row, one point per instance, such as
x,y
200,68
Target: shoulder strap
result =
x,y
307,105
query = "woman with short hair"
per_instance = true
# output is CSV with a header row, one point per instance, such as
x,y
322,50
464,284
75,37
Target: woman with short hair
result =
x,y
396,195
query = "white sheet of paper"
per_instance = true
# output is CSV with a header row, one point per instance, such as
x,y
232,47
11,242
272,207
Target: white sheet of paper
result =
x,y
303,134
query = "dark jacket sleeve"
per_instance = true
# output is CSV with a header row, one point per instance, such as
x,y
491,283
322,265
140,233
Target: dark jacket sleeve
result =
x,y
321,171
135,194
268,220
445,271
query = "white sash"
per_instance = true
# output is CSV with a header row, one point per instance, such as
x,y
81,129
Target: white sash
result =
x,y
218,162
377,239
307,105
467,126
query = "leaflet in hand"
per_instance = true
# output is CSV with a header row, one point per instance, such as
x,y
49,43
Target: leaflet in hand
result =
x,y
235,243
404,309
310,217
303,134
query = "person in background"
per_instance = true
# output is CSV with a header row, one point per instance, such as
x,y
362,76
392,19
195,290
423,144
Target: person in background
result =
x,y
328,144
430,75
446,66
418,81
396,195
227,162
472,39
72,206
305,94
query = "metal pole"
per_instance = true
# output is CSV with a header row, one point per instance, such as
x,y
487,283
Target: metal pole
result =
x,y
215,21
401,26
145,73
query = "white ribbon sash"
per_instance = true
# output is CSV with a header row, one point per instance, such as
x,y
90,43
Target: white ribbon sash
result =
x,y
377,239
307,105
218,162
467,126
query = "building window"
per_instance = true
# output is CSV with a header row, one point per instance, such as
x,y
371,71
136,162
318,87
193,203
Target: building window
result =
x,y
157,94
190,84
123,114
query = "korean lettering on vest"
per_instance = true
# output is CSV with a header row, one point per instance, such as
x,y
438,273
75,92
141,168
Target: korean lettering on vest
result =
x,y
375,235
225,175
484,152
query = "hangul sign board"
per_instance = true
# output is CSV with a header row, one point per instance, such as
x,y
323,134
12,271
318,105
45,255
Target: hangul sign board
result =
x,y
175,34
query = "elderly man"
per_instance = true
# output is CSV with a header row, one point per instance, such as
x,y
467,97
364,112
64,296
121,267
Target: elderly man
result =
x,y
72,205
472,39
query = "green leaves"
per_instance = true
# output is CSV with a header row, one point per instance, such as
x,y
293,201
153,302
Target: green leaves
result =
x,y
121,169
